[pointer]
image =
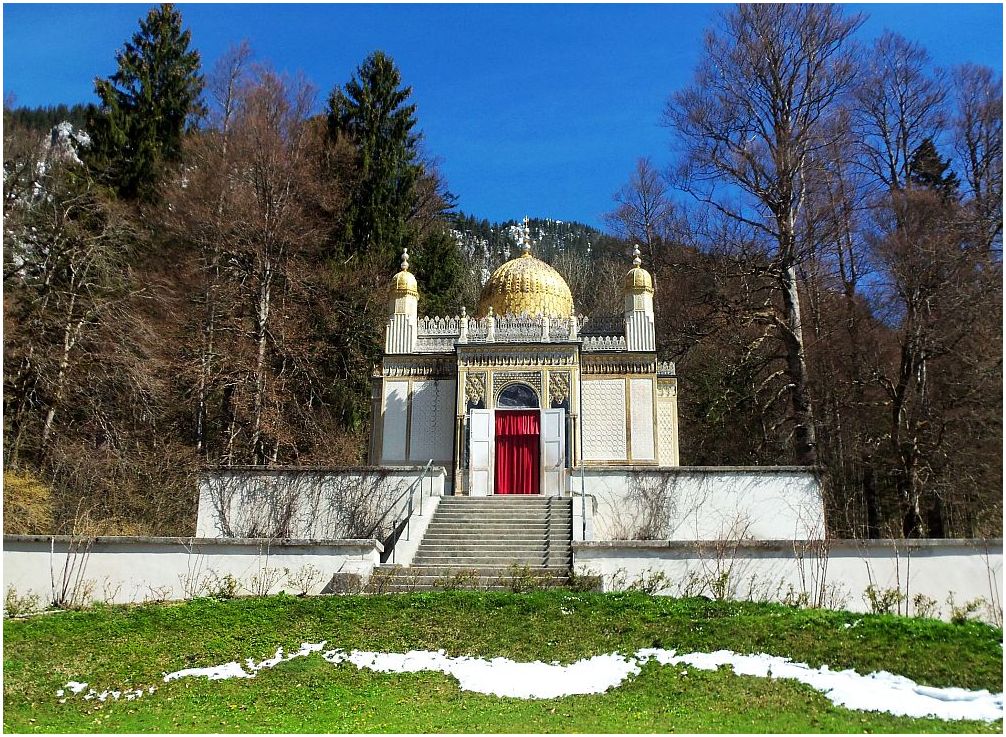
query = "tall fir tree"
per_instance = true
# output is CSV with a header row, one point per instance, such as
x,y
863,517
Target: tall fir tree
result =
x,y
927,169
438,270
372,111
139,125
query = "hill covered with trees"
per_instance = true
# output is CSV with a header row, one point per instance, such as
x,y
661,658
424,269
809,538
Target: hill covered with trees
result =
x,y
202,281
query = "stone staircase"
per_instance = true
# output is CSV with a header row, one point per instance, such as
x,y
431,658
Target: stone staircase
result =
x,y
506,543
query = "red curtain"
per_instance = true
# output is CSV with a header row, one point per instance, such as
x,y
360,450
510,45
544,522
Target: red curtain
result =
x,y
517,451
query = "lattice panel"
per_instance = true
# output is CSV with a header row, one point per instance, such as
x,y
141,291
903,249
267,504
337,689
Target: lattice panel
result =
x,y
604,420
665,432
432,431
641,392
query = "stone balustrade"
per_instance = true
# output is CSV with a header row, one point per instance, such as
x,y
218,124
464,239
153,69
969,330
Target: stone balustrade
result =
x,y
439,334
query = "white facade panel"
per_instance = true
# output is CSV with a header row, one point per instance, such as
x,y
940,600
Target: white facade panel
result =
x,y
396,419
603,424
432,429
641,398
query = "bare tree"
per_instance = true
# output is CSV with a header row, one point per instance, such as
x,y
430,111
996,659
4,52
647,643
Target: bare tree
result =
x,y
644,210
978,141
771,76
898,103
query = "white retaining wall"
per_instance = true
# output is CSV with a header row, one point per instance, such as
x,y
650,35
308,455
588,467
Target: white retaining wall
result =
x,y
124,570
832,573
700,502
303,503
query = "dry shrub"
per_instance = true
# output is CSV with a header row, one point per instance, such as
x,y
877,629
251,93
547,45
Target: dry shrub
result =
x,y
27,504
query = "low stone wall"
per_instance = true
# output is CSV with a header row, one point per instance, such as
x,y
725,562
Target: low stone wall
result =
x,y
122,570
700,503
304,503
916,577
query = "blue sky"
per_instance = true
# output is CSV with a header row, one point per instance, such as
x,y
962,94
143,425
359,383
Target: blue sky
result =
x,y
530,109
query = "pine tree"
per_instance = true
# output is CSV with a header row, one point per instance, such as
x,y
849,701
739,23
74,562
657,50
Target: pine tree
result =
x,y
139,125
927,169
372,111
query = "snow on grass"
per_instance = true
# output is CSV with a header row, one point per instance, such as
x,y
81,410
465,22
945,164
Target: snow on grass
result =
x,y
502,676
880,691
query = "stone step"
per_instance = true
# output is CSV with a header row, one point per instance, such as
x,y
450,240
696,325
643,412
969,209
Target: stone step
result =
x,y
487,548
556,538
484,571
464,521
499,532
504,514
498,560
509,499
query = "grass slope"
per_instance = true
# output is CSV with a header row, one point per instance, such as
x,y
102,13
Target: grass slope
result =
x,y
130,647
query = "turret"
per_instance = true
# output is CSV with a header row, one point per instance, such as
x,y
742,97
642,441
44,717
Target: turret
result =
x,y
638,291
400,332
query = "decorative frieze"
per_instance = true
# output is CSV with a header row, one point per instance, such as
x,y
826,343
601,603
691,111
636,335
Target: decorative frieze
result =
x,y
439,326
604,343
666,389
601,363
434,334
501,378
475,387
558,387
418,366
516,356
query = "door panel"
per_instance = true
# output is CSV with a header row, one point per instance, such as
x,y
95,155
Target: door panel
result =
x,y
553,452
480,463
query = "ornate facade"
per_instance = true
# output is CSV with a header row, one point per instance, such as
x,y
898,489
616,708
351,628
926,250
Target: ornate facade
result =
x,y
517,397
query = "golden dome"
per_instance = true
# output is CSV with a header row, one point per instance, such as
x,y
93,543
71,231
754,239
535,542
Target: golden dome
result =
x,y
638,279
526,286
404,283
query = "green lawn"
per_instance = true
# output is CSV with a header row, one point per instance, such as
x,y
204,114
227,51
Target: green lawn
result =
x,y
129,647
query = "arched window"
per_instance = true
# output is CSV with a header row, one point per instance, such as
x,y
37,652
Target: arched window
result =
x,y
517,396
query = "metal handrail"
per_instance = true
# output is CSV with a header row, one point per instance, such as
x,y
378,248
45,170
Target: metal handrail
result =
x,y
409,491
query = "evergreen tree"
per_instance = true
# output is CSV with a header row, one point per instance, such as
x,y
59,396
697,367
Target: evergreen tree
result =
x,y
373,112
927,169
144,106
438,270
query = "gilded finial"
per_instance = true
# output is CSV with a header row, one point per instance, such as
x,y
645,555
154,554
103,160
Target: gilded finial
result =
x,y
636,261
526,238
405,259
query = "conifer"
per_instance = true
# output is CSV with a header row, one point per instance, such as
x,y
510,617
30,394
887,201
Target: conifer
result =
x,y
927,169
373,112
144,107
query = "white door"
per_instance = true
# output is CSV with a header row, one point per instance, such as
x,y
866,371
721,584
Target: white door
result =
x,y
553,451
480,452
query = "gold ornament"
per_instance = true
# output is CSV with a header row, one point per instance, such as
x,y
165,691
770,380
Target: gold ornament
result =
x,y
638,279
526,286
404,283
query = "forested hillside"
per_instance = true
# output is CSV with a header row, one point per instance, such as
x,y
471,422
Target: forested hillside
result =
x,y
202,279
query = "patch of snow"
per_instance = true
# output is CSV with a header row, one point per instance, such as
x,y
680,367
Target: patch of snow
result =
x,y
214,672
880,691
502,676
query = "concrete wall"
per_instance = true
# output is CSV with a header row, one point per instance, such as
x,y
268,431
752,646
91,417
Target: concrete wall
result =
x,y
702,502
124,570
312,504
832,573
